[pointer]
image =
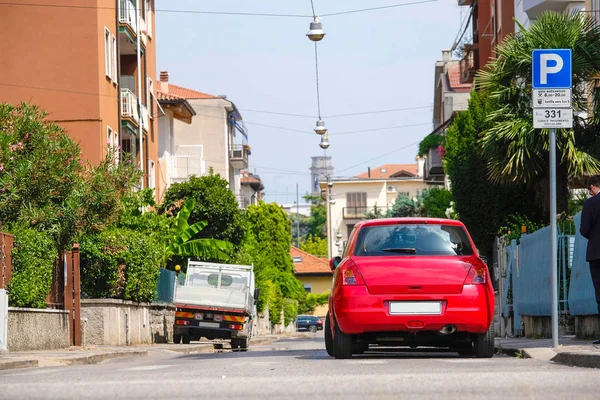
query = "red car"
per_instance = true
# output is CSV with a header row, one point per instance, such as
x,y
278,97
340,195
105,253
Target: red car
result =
x,y
410,282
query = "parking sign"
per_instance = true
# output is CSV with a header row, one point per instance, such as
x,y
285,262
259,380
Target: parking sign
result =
x,y
552,69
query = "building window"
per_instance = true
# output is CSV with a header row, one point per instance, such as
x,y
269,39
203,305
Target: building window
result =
x,y
356,199
112,142
149,94
148,16
151,174
107,53
308,287
114,60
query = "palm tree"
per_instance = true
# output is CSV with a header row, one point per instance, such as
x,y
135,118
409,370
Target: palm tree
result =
x,y
514,150
180,242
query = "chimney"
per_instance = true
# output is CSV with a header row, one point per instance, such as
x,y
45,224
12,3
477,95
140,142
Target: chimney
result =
x,y
445,55
369,172
164,81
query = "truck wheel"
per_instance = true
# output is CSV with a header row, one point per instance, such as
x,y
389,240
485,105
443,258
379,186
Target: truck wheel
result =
x,y
186,339
244,343
235,344
176,339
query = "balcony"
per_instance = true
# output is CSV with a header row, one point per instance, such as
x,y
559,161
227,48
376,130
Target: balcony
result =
x,y
361,212
238,156
144,115
465,2
129,106
469,64
128,29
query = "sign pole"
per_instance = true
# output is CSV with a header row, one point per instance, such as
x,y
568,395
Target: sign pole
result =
x,y
553,239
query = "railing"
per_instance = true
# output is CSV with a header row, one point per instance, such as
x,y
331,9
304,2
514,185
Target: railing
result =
x,y
185,166
129,106
127,14
362,212
469,64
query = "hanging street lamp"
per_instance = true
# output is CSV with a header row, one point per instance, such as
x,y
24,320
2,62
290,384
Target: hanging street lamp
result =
x,y
316,32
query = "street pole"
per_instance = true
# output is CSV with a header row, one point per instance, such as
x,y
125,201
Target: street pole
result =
x,y
297,217
553,238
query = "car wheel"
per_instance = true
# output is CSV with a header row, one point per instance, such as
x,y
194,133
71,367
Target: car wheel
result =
x,y
483,345
176,339
312,329
186,339
328,337
342,343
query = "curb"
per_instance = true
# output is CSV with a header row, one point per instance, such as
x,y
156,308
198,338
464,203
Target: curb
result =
x,y
578,359
565,358
203,348
97,358
18,364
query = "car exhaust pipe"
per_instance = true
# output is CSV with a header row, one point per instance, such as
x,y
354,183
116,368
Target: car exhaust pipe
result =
x,y
448,330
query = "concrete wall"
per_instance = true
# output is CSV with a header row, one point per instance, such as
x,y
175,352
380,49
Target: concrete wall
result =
x,y
35,329
124,323
587,327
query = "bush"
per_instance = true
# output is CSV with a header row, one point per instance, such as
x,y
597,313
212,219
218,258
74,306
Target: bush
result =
x,y
215,204
313,300
120,263
33,257
435,202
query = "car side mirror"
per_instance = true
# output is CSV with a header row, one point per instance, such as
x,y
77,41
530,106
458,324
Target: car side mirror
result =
x,y
334,262
256,295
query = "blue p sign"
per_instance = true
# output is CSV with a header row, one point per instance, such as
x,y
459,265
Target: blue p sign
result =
x,y
552,69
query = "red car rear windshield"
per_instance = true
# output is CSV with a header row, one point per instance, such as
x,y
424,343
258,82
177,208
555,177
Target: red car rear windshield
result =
x,y
412,239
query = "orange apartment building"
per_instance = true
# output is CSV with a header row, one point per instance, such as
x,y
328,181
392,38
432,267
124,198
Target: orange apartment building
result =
x,y
90,64
491,21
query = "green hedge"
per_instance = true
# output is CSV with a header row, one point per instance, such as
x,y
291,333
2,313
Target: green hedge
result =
x,y
121,264
33,257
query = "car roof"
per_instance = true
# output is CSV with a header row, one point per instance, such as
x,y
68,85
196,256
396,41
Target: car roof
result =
x,y
410,220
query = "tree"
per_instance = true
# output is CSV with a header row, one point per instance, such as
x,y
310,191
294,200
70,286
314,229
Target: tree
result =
x,y
315,245
514,150
268,247
375,213
435,202
45,185
181,242
215,204
404,206
318,216
481,204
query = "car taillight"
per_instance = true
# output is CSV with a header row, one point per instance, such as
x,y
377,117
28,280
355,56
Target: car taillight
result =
x,y
351,275
319,322
478,274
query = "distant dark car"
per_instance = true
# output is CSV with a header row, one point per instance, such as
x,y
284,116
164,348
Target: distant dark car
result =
x,y
309,323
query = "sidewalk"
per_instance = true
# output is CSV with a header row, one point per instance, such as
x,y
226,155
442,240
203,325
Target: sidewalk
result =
x,y
570,351
96,354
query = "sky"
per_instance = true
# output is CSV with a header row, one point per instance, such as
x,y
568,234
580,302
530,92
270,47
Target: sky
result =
x,y
368,61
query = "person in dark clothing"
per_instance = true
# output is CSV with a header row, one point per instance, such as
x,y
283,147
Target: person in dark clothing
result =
x,y
590,229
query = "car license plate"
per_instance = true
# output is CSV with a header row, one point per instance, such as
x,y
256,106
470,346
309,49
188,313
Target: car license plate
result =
x,y
415,307
208,324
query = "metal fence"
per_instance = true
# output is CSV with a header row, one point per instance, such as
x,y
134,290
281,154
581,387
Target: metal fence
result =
x,y
525,275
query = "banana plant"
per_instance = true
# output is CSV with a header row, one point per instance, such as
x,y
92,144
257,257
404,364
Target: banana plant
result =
x,y
180,242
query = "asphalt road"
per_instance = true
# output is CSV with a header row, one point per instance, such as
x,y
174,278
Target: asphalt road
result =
x,y
300,368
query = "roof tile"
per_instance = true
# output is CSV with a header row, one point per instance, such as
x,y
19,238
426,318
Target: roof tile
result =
x,y
454,79
310,264
181,92
390,169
